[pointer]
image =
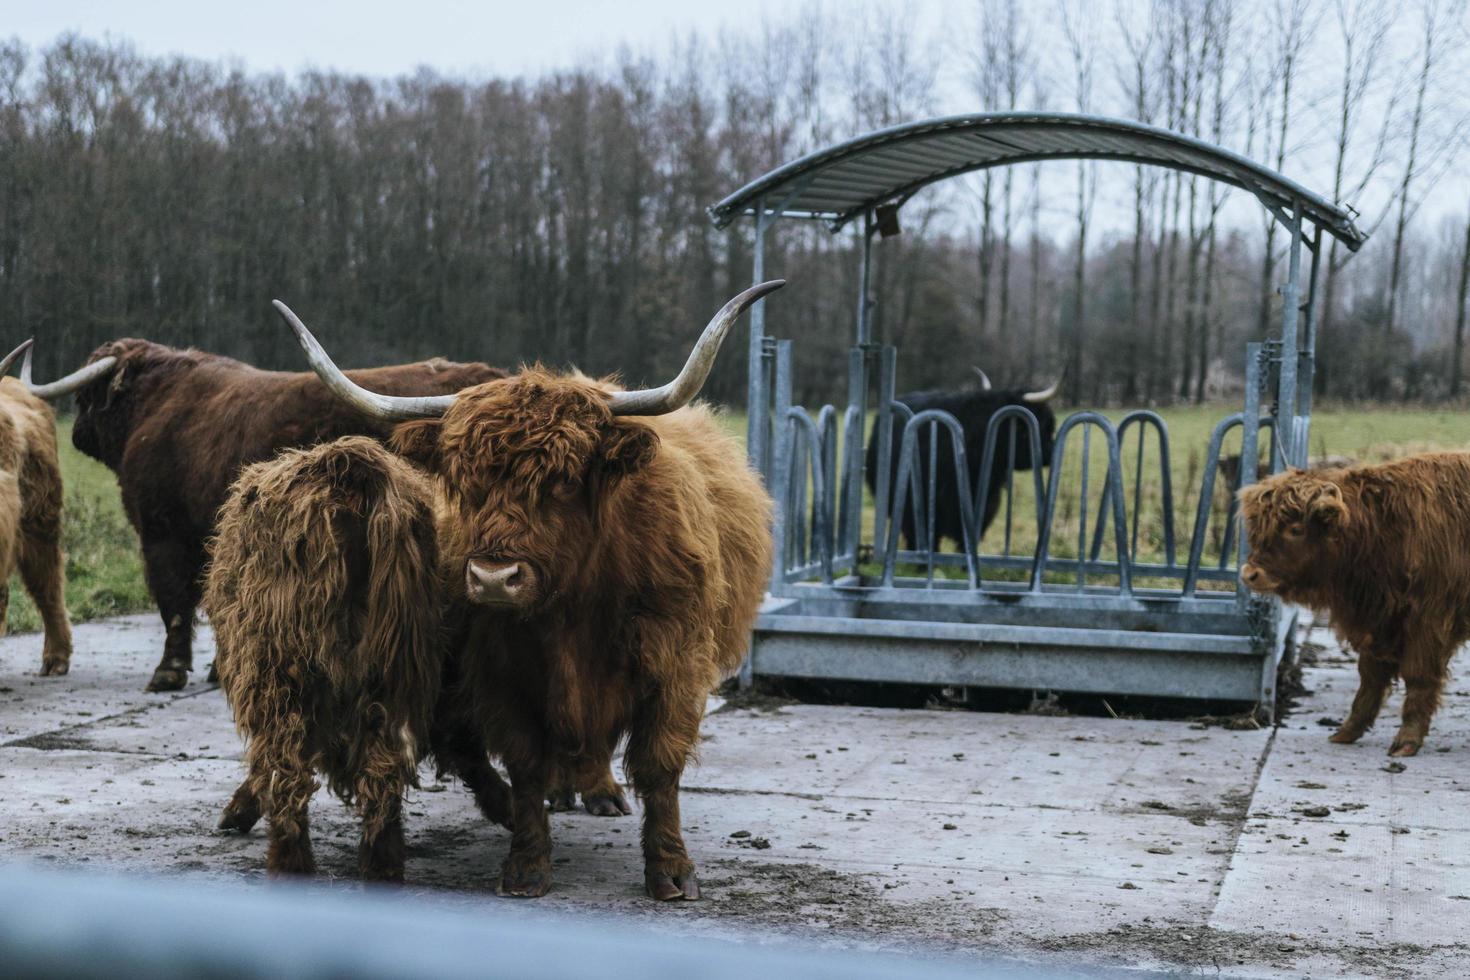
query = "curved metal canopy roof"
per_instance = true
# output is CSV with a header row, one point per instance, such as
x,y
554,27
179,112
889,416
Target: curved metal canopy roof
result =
x,y
888,166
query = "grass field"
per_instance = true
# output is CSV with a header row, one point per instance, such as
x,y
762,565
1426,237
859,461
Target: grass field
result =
x,y
105,573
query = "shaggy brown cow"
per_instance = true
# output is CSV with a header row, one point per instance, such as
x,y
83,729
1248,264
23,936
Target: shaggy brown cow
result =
x,y
325,602
1384,550
612,550
176,426
30,513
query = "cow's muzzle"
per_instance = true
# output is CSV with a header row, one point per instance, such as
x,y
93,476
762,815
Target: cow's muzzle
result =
x,y
509,585
1257,578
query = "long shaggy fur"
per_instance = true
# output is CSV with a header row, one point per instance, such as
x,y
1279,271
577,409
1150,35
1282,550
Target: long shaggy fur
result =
x,y
176,426
322,593
650,542
1383,550
30,517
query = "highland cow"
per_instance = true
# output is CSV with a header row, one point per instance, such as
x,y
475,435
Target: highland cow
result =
x,y
30,514
612,549
1383,551
973,410
323,593
176,426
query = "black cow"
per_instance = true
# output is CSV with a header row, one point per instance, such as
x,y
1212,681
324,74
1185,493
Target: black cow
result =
x,y
973,409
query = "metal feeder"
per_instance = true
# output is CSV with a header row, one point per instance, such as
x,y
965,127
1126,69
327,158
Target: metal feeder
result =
x,y
846,602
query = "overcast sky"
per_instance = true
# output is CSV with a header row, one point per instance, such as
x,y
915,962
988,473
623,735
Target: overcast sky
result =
x,y
495,38
384,37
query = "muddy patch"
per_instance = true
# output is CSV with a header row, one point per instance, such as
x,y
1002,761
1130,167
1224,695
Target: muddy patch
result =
x,y
813,898
1205,950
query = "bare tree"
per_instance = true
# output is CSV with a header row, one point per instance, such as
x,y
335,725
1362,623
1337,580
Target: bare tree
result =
x,y
1457,361
1078,31
1362,27
1137,27
1293,24
1433,17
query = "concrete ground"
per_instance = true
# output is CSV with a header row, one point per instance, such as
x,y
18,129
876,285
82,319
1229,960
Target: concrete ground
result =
x,y
1162,845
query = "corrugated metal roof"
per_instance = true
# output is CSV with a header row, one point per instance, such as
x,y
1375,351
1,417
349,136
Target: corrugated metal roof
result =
x,y
845,180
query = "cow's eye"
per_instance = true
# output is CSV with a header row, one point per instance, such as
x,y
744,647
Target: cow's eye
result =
x,y
1296,530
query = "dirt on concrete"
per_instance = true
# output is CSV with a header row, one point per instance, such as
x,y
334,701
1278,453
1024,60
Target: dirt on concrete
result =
x,y
1073,841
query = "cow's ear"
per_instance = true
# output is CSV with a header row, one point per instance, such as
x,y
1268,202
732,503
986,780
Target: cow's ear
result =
x,y
627,447
1253,499
418,441
1328,510
116,383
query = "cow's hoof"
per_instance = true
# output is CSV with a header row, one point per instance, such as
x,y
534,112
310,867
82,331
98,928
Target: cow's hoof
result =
x,y
213,677
561,800
1344,737
671,888
1402,748
603,803
168,679
54,665
530,882
239,820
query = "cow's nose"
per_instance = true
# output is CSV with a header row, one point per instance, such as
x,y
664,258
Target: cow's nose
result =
x,y
1250,574
497,585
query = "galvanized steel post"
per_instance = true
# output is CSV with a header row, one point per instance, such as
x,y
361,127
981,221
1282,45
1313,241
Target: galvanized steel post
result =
x,y
1290,345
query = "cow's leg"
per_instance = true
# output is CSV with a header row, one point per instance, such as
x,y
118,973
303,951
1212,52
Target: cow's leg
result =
x,y
527,869
41,566
380,802
460,751
665,731
561,791
601,794
1375,673
281,776
172,568
243,810
1423,671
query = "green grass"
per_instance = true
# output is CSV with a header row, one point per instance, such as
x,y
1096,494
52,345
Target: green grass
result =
x,y
105,571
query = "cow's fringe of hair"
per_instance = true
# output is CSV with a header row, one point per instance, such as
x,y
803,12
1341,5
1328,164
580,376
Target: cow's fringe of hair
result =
x,y
1382,550
323,598
650,543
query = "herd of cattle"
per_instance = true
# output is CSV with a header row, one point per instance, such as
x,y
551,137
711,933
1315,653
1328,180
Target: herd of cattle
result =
x,y
450,561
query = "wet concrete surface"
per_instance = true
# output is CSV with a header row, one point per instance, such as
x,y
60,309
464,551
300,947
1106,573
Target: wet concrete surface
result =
x,y
1162,845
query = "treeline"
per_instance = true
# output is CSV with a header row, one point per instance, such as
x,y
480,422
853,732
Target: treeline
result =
x,y
562,218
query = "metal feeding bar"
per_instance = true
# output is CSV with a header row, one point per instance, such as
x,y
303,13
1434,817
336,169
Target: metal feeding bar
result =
x,y
861,599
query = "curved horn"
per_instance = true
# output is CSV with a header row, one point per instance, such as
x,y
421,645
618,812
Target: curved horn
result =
x,y
984,378
388,408
62,387
10,358
1044,395
679,392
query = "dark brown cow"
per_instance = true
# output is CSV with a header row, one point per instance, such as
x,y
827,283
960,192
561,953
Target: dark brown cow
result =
x,y
612,550
324,596
30,513
176,426
1384,550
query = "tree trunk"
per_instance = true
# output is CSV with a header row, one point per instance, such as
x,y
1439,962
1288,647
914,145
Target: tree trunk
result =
x,y
1457,364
